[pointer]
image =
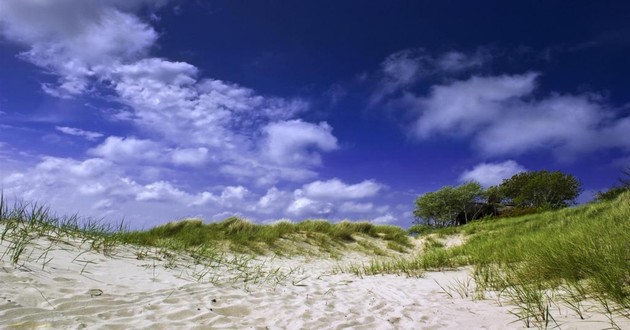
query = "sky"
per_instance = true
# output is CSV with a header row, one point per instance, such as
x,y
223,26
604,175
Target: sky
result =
x,y
150,111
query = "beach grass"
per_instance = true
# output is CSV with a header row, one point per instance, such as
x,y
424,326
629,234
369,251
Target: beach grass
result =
x,y
570,255
243,236
22,222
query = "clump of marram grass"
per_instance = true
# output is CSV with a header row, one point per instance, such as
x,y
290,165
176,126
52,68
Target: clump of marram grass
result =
x,y
24,222
26,228
244,236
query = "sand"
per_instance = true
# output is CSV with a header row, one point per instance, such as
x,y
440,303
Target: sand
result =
x,y
73,287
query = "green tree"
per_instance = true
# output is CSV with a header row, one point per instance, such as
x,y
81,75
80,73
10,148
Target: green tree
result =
x,y
541,189
441,208
615,191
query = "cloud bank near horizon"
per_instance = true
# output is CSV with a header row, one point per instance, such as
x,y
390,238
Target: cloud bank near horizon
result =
x,y
182,122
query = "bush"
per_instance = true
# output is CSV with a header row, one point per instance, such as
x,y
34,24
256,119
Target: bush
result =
x,y
611,194
541,189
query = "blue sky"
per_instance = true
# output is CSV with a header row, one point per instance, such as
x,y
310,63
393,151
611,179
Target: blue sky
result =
x,y
156,110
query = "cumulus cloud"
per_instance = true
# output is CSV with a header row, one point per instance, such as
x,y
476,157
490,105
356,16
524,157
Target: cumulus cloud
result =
x,y
177,119
463,106
119,149
184,118
273,201
503,117
74,38
353,207
297,142
160,191
384,219
89,135
304,207
492,174
322,199
336,189
231,196
99,187
190,156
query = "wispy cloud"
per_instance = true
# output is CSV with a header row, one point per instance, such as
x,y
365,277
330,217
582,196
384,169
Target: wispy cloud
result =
x,y
336,189
89,135
405,68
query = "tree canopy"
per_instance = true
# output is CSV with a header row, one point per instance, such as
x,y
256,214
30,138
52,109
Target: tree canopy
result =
x,y
523,193
442,207
541,189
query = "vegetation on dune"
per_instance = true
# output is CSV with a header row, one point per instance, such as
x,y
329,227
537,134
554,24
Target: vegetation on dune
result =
x,y
536,260
442,208
523,193
613,192
541,189
244,236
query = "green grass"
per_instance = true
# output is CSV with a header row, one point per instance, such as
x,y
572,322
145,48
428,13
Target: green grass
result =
x,y
23,222
577,253
243,236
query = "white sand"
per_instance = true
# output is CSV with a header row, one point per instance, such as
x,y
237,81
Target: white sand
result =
x,y
78,289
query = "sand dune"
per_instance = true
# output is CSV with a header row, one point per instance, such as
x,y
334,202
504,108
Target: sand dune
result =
x,y
69,286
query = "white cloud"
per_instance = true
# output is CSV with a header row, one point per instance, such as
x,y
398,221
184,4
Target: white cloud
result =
x,y
295,142
129,149
492,174
336,189
160,191
305,207
190,156
231,196
402,68
74,38
168,99
75,169
463,106
384,219
233,193
183,119
352,207
100,188
273,201
261,174
568,124
89,135
504,119
225,119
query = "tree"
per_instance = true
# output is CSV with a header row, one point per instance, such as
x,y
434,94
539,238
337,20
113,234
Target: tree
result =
x,y
615,191
541,189
442,208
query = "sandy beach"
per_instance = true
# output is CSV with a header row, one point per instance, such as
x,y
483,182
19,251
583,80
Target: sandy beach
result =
x,y
63,284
